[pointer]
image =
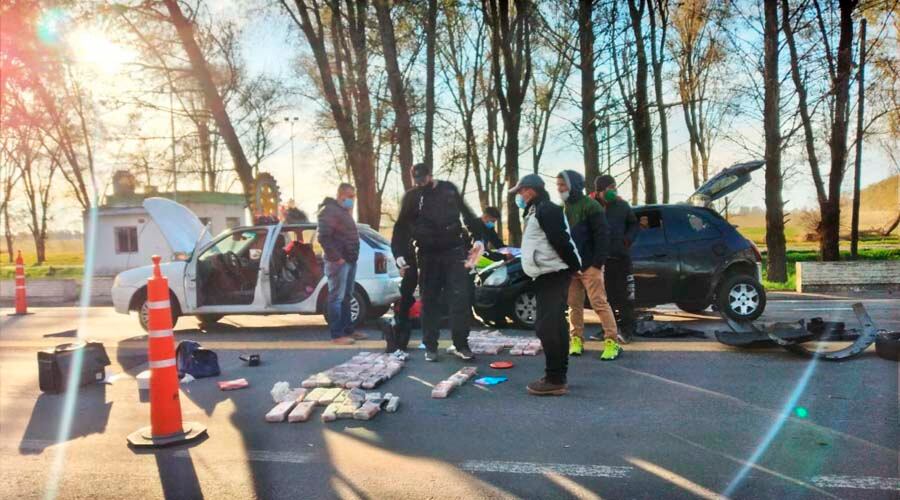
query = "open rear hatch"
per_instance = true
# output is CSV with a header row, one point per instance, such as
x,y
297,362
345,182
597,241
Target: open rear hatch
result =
x,y
727,181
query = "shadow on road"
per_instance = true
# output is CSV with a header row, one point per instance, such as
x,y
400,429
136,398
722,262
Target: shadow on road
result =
x,y
90,416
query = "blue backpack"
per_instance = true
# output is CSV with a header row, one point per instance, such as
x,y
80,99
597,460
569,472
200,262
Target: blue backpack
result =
x,y
191,358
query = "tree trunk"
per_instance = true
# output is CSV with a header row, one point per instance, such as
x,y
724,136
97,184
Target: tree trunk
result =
x,y
398,92
656,56
7,234
430,41
588,92
857,167
643,128
776,265
214,101
884,232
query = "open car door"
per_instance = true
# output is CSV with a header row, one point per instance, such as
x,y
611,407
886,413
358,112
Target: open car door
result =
x,y
727,181
264,283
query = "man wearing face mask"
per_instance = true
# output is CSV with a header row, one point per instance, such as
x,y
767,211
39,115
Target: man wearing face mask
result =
x,y
623,228
339,238
550,258
588,225
430,217
490,217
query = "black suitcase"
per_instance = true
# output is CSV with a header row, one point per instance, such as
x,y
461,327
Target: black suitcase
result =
x,y
54,365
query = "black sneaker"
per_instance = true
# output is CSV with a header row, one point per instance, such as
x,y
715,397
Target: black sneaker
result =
x,y
464,354
431,356
544,388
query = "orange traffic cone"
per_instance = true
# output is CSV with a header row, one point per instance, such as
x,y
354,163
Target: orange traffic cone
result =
x,y
21,299
166,427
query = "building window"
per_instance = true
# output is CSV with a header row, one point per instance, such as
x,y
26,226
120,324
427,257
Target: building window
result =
x,y
126,239
232,222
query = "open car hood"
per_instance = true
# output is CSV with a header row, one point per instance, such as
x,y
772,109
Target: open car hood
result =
x,y
725,182
179,226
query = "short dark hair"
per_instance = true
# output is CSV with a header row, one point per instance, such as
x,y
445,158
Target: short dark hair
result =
x,y
492,212
345,186
603,182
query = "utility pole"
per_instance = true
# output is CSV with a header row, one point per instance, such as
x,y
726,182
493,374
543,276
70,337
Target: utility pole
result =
x,y
292,120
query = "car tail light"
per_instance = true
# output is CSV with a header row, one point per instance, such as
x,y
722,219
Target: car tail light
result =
x,y
756,252
380,263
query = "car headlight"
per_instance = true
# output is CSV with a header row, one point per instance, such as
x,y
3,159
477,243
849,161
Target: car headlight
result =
x,y
496,278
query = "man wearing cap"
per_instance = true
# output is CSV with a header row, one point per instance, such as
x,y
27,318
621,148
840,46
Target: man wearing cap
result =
x,y
587,223
430,217
550,258
623,228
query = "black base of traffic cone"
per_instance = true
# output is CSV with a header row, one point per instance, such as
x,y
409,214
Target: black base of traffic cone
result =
x,y
143,437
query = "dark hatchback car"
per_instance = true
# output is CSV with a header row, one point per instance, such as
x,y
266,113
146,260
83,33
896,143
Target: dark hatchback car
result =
x,y
685,254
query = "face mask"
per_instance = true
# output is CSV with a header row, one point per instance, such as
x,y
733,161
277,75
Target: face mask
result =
x,y
610,195
489,224
347,203
520,201
564,196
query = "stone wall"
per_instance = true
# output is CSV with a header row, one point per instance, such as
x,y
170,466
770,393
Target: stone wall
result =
x,y
847,276
55,292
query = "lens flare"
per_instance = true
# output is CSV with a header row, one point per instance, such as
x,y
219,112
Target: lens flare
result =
x,y
50,26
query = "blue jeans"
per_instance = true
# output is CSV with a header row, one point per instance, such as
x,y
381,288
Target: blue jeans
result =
x,y
340,288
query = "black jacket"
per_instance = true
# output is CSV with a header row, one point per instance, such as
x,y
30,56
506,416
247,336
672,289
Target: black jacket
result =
x,y
623,226
587,222
430,217
337,232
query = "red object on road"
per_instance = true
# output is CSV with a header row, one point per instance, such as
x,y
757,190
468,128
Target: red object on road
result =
x,y
21,298
166,427
230,385
502,365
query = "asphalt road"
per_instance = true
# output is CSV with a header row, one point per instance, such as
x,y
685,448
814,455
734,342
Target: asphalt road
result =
x,y
674,418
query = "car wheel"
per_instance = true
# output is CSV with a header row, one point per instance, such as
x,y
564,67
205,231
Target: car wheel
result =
x,y
887,345
524,309
144,315
209,319
741,297
693,307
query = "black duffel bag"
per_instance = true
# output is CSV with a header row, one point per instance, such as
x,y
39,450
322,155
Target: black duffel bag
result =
x,y
55,365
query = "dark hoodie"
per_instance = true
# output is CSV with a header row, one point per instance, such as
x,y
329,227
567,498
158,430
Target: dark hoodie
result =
x,y
587,221
337,232
623,225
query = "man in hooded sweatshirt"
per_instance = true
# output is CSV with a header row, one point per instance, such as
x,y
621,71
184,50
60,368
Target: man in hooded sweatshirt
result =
x,y
550,258
339,238
587,221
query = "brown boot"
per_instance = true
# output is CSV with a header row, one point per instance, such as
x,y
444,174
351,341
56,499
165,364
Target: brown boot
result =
x,y
544,388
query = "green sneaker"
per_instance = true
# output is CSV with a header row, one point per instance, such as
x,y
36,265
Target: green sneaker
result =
x,y
576,346
611,350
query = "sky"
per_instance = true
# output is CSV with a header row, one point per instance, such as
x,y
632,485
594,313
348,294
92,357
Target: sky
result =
x,y
269,42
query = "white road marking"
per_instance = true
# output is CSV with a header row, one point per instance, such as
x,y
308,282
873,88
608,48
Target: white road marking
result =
x,y
288,457
857,482
535,468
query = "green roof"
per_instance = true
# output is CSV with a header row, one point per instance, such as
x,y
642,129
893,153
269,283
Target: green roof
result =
x,y
212,198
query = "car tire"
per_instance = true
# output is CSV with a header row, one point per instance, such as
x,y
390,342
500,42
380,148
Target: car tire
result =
x,y
524,309
359,307
693,307
144,313
741,297
887,345
209,319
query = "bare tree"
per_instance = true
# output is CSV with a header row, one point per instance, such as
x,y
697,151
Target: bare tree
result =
x,y
510,41
658,10
344,85
430,48
857,166
776,265
640,110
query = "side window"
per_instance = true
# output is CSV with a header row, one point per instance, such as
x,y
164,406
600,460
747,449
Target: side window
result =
x,y
690,225
651,232
246,244
126,239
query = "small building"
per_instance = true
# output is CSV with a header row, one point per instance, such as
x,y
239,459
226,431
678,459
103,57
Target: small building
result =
x,y
127,237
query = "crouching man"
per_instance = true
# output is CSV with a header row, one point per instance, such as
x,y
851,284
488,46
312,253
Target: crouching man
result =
x,y
550,257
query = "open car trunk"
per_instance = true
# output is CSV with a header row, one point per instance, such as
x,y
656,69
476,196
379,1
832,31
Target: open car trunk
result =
x,y
725,182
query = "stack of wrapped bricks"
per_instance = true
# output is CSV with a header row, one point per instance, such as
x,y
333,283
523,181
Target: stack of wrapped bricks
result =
x,y
366,370
338,403
493,342
445,387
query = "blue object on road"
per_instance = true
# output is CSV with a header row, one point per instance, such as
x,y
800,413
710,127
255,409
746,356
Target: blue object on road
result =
x,y
192,358
491,380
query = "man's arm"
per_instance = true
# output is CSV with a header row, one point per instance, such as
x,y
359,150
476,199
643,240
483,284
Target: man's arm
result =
x,y
473,222
599,234
553,223
400,240
631,226
493,238
326,236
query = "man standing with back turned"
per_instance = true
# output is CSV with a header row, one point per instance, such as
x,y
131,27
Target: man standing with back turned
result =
x,y
549,256
430,216
339,238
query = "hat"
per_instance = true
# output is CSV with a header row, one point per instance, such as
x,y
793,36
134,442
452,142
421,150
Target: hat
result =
x,y
603,182
420,171
533,181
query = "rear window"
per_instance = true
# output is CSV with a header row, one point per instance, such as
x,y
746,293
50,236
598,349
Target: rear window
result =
x,y
374,239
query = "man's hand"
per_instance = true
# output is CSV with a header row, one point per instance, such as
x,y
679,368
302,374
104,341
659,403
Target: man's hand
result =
x,y
401,263
340,262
